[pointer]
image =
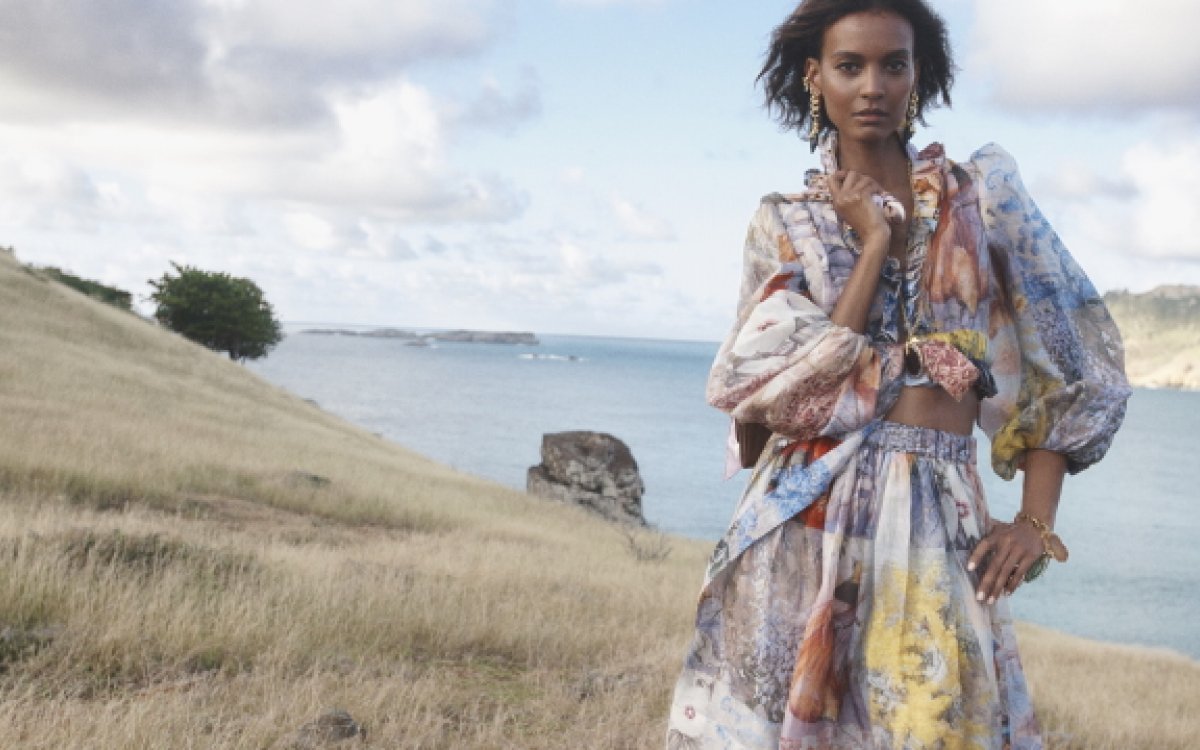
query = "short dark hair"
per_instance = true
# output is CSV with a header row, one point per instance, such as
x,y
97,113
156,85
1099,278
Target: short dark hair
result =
x,y
800,36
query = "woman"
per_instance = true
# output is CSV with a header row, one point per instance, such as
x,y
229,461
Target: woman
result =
x,y
858,597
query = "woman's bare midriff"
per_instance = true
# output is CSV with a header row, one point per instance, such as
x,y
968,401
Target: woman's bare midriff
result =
x,y
932,407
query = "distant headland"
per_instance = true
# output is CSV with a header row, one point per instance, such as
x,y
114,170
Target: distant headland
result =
x,y
523,338
1161,332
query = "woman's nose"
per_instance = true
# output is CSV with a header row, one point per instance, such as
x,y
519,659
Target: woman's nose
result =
x,y
872,83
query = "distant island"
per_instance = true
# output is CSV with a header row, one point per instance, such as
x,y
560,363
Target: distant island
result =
x,y
414,338
1161,331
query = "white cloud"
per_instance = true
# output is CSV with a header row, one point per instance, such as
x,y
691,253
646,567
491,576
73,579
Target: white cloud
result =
x,y
1135,226
384,241
168,212
126,50
49,192
586,270
351,29
307,230
386,156
1166,220
497,110
165,102
637,223
239,63
1109,56
573,175
1075,180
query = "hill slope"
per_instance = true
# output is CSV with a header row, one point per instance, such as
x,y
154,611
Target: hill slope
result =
x,y
1161,330
194,558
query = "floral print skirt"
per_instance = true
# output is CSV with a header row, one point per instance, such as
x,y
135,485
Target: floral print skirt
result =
x,y
854,624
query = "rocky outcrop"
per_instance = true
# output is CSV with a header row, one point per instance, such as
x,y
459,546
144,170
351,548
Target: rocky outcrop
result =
x,y
591,469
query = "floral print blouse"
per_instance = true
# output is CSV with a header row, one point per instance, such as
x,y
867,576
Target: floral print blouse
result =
x,y
992,298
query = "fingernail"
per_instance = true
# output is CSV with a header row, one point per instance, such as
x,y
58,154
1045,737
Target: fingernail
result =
x,y
971,566
992,600
979,597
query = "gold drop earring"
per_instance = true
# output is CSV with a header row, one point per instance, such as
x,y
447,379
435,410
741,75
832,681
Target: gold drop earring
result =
x,y
814,114
910,118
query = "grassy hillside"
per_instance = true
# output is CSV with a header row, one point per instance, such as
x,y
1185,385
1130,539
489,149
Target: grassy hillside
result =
x,y
194,558
1161,330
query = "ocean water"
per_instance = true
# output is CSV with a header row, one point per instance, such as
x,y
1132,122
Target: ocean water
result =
x,y
1131,521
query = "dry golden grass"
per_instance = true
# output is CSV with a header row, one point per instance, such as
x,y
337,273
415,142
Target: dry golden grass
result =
x,y
170,577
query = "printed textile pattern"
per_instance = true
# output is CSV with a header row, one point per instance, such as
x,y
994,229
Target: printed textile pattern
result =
x,y
797,643
854,625
992,296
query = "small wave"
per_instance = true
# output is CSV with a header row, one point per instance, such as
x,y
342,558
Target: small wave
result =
x,y
552,357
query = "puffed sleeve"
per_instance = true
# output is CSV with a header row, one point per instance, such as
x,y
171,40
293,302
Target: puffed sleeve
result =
x,y
785,364
1065,388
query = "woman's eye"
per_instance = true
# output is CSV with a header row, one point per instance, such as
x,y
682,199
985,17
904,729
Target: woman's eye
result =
x,y
898,66
848,67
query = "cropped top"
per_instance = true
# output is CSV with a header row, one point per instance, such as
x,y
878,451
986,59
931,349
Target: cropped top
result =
x,y
992,299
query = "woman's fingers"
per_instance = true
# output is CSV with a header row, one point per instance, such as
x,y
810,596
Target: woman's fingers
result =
x,y
852,194
999,568
980,553
985,546
1017,577
1006,554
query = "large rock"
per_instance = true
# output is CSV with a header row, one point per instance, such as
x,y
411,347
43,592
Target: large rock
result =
x,y
591,469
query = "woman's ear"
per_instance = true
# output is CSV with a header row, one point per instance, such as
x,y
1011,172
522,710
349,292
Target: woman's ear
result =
x,y
812,70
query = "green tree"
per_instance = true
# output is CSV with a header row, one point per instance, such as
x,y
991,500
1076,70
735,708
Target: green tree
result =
x,y
223,312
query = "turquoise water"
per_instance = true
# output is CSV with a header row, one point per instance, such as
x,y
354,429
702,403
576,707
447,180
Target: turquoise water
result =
x,y
1130,521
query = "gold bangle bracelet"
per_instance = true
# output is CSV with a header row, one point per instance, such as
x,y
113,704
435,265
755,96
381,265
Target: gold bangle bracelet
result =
x,y
1052,544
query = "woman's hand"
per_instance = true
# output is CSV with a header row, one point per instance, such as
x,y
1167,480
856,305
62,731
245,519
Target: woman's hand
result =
x,y
1003,557
852,194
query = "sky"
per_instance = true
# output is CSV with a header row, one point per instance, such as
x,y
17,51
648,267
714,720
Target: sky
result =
x,y
559,166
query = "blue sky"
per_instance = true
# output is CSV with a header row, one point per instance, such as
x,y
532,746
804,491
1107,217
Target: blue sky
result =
x,y
571,166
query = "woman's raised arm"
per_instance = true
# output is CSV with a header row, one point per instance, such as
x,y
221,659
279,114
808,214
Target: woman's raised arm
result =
x,y
786,363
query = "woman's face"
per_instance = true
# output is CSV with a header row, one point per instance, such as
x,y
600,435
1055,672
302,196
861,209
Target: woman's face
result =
x,y
866,74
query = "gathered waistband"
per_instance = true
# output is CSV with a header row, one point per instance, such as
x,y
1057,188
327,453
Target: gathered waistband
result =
x,y
925,441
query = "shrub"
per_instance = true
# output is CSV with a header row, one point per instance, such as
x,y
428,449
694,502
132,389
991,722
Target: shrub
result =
x,y
225,313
